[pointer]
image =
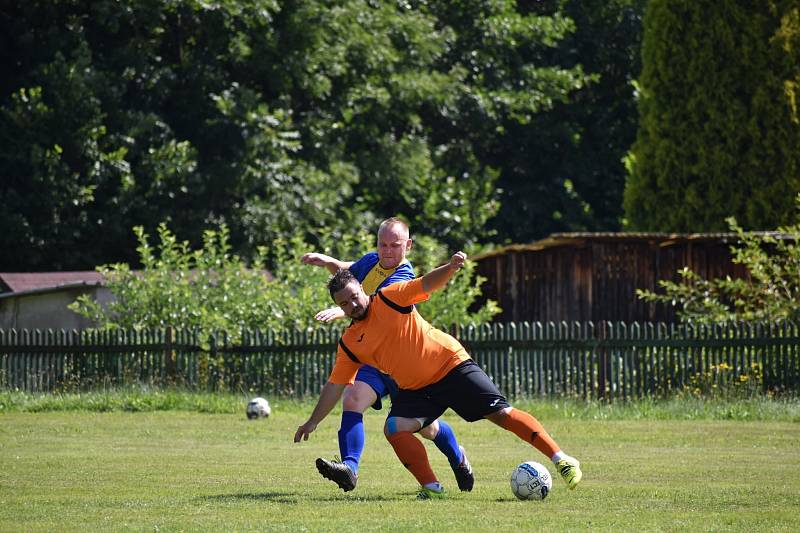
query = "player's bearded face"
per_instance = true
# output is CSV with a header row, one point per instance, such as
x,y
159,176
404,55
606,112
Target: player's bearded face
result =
x,y
352,300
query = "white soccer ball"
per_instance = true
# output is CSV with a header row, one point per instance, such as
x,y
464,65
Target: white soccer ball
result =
x,y
531,481
258,408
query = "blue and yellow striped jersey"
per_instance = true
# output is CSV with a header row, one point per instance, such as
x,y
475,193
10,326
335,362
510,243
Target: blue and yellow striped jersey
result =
x,y
373,276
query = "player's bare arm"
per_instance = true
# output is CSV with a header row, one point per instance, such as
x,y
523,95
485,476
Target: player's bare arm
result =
x,y
438,277
332,265
325,261
330,314
328,398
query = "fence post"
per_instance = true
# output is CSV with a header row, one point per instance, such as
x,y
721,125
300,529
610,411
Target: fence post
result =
x,y
213,370
602,360
169,356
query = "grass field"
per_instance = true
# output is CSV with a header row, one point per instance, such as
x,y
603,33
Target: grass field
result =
x,y
185,471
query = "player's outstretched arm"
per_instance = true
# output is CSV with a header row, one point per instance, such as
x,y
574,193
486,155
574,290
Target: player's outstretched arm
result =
x,y
328,398
325,261
438,277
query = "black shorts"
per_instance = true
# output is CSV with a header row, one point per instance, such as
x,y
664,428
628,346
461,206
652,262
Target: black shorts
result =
x,y
467,390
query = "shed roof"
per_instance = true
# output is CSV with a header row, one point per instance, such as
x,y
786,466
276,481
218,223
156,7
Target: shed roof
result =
x,y
15,282
581,238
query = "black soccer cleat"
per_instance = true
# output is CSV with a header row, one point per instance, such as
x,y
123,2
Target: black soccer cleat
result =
x,y
463,472
337,472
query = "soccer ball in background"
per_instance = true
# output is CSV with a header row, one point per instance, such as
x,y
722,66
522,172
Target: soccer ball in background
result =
x,y
531,481
258,408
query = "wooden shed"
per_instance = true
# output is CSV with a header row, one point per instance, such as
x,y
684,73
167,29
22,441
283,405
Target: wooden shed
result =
x,y
594,276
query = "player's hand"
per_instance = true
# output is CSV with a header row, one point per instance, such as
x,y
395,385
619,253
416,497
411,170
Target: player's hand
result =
x,y
304,431
313,258
329,315
457,261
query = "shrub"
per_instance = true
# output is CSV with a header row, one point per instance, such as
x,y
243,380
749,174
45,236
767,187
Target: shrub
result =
x,y
208,289
212,289
770,293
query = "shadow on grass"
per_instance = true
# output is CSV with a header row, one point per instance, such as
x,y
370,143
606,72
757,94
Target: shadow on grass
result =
x,y
291,497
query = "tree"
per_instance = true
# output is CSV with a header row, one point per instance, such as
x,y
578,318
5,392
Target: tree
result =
x,y
418,98
770,293
129,113
719,126
266,116
564,169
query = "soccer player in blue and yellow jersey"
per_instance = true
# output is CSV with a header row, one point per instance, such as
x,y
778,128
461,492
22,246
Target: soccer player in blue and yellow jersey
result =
x,y
377,270
432,369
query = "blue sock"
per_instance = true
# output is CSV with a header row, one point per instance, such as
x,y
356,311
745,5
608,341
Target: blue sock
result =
x,y
351,439
447,444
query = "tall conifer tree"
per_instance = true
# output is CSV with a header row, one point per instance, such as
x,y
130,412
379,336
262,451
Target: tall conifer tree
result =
x,y
719,107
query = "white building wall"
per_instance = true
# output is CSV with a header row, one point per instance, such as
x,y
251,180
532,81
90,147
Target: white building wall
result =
x,y
47,310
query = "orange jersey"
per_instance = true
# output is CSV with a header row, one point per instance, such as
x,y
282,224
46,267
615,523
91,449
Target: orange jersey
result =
x,y
395,339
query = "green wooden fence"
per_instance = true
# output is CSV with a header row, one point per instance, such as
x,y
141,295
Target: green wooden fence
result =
x,y
588,360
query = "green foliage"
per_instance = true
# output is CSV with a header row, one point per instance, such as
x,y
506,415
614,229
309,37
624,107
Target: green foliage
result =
x,y
771,292
270,117
212,289
572,153
57,157
418,95
454,303
451,305
719,129
209,289
724,381
182,471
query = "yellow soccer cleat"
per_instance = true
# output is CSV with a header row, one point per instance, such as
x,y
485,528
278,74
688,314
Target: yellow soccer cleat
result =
x,y
570,470
431,494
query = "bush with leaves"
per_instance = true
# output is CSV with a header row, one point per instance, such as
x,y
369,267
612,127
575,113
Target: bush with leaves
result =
x,y
452,304
211,289
771,292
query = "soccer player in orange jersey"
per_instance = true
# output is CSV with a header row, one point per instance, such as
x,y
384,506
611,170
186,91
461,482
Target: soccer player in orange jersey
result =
x,y
432,369
374,271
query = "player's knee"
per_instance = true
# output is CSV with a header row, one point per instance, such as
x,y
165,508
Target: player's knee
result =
x,y
396,425
498,416
390,426
358,398
430,431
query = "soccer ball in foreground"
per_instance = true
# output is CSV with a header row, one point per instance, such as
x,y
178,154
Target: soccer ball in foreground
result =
x,y
531,481
258,408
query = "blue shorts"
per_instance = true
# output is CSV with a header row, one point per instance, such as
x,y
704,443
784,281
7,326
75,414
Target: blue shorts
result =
x,y
381,383
466,389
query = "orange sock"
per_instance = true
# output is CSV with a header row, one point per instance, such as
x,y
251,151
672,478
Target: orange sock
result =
x,y
412,454
526,427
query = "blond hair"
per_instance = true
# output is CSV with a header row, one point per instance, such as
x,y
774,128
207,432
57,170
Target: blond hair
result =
x,y
394,221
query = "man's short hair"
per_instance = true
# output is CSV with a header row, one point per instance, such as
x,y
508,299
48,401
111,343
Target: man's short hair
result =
x,y
391,221
340,280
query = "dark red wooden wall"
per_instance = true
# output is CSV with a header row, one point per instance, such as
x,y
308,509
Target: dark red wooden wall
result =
x,y
593,277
